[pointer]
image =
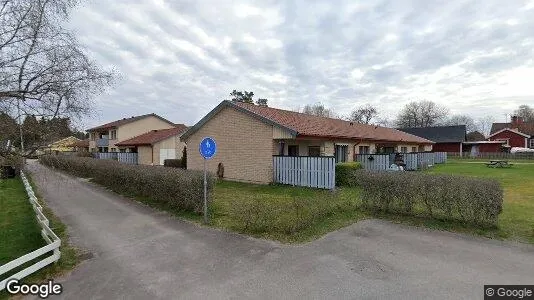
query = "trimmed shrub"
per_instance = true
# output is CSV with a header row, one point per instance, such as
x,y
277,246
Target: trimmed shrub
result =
x,y
344,170
170,187
173,163
287,215
467,199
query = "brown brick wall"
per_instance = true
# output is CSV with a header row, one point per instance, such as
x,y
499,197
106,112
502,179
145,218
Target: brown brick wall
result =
x,y
244,146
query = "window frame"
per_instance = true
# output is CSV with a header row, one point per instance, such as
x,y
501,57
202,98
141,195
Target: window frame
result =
x,y
289,147
316,148
366,148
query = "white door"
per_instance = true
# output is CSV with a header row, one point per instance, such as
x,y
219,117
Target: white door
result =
x,y
166,154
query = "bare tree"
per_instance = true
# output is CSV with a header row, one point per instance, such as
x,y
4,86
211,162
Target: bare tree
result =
x,y
466,120
525,112
364,114
484,124
43,70
421,114
318,109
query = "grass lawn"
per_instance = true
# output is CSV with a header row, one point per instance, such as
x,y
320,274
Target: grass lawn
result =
x,y
20,233
485,160
516,222
283,213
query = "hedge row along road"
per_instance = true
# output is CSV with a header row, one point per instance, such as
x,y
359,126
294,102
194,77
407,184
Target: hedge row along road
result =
x,y
140,253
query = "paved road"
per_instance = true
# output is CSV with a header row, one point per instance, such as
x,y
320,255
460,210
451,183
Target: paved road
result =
x,y
143,254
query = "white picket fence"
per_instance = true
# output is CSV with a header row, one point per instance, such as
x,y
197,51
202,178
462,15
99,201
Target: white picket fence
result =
x,y
127,158
53,244
106,155
318,172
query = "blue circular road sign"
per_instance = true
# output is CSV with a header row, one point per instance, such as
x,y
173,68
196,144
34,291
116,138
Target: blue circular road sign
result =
x,y
207,147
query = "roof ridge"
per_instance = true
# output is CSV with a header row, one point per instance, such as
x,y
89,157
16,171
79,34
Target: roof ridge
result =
x,y
308,115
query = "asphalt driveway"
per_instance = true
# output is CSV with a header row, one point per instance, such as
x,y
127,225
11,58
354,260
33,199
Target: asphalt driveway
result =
x,y
140,253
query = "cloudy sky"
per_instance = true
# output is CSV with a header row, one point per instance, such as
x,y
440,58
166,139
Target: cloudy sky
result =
x,y
180,58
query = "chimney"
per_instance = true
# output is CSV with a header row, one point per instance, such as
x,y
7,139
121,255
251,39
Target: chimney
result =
x,y
516,121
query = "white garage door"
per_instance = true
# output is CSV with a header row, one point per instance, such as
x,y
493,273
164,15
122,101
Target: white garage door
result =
x,y
166,154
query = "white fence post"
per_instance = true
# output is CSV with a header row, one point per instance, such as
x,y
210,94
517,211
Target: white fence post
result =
x,y
53,243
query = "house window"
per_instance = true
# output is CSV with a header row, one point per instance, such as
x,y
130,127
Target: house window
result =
x,y
506,140
281,147
113,150
293,150
414,149
531,143
364,150
113,134
404,150
341,153
314,151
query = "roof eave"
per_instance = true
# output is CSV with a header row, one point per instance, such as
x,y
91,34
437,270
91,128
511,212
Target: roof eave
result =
x,y
227,103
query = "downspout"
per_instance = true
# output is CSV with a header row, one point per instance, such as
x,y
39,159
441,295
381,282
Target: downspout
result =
x,y
152,156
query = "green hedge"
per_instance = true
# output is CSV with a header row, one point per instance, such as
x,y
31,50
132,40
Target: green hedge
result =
x,y
468,199
173,163
171,187
344,171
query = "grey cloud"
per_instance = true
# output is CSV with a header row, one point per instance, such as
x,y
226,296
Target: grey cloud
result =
x,y
322,43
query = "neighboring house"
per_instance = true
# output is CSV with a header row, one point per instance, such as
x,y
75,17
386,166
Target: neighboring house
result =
x,y
516,133
63,145
248,136
476,147
81,146
104,138
446,138
475,136
155,146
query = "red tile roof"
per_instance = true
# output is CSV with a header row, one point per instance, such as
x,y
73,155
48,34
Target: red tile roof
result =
x,y
123,121
313,126
80,144
154,136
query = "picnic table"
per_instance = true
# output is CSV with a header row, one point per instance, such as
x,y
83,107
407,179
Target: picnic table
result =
x,y
498,164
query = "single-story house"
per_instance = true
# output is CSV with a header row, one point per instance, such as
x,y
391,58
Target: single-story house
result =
x,y
81,146
446,138
155,146
475,147
248,136
517,133
63,145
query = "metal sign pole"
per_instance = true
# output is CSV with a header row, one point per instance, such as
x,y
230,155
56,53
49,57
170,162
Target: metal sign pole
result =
x,y
205,195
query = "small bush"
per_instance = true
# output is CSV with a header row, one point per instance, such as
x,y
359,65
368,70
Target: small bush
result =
x,y
344,170
173,163
285,215
171,187
467,199
15,161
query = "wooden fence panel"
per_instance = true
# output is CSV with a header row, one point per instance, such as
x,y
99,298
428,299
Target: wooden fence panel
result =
x,y
318,172
410,159
106,155
374,162
127,158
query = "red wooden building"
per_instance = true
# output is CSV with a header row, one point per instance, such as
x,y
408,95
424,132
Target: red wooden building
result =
x,y
515,134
